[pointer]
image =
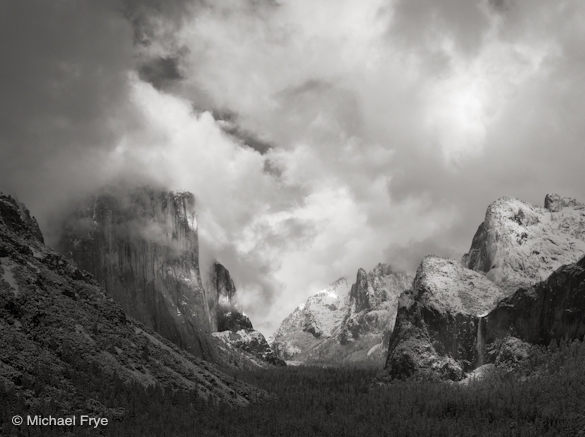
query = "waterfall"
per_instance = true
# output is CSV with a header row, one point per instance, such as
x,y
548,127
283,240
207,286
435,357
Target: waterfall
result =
x,y
480,343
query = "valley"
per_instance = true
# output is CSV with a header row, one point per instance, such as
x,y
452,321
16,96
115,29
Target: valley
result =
x,y
489,345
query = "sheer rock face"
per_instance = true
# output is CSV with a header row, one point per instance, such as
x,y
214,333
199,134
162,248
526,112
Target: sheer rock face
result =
x,y
519,245
55,321
221,291
141,245
436,327
341,325
223,283
551,310
238,344
358,294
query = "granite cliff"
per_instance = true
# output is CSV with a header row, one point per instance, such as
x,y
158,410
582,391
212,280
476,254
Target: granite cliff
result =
x,y
141,245
552,310
437,321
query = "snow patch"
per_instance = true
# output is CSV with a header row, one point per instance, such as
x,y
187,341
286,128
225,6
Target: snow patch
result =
x,y
8,275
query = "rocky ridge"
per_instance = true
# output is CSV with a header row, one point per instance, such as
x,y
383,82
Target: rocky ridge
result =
x,y
312,323
237,343
60,329
341,324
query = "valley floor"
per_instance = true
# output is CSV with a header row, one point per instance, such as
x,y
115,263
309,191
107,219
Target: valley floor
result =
x,y
545,396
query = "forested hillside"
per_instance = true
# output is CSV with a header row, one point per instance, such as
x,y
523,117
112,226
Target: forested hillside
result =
x,y
344,402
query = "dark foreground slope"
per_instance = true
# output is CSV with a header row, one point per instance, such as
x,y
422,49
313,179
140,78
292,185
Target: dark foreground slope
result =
x,y
62,340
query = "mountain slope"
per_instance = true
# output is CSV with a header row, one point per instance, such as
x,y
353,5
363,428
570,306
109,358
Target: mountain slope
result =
x,y
60,333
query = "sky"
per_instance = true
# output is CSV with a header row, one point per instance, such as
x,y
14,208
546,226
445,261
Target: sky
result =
x,y
319,136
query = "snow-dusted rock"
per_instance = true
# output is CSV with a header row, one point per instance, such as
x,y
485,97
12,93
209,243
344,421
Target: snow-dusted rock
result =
x,y
435,333
238,344
252,349
341,325
551,310
442,329
519,244
479,374
312,323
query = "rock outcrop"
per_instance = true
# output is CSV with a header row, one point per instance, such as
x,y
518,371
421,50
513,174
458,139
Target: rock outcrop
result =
x,y
551,310
246,349
60,332
311,324
141,244
435,334
344,325
233,321
519,244
238,344
373,302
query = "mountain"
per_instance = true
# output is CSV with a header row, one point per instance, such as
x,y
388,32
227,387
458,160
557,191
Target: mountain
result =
x,y
141,245
552,310
436,326
344,325
312,323
238,344
61,334
519,244
440,327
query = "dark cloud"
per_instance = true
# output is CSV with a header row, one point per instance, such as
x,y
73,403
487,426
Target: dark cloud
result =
x,y
161,71
63,92
248,138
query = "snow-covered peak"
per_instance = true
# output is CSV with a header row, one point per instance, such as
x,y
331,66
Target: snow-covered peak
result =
x,y
320,314
343,322
519,244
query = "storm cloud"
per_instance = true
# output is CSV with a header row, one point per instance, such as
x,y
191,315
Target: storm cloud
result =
x,y
318,136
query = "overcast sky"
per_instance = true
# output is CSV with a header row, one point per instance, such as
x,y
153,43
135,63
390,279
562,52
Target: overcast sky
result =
x,y
319,136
